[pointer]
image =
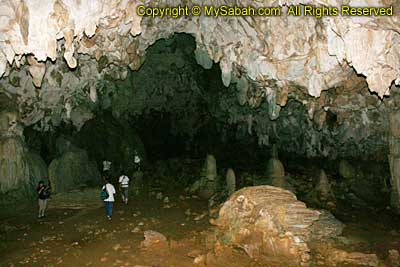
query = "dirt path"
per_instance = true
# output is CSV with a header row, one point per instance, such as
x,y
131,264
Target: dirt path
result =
x,y
87,238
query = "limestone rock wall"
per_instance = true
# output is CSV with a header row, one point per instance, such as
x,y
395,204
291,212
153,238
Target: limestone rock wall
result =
x,y
38,169
280,53
72,168
20,168
66,47
310,57
14,167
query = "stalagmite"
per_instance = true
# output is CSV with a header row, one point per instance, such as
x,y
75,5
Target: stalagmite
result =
x,y
322,195
394,158
324,187
206,186
230,181
275,167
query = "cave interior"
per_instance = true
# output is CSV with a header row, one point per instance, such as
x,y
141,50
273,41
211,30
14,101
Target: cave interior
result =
x,y
205,141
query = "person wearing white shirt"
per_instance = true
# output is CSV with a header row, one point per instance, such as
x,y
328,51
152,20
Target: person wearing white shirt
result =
x,y
108,202
106,167
136,161
124,187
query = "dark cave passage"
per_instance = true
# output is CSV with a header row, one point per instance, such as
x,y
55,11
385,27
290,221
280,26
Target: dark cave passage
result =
x,y
199,145
172,111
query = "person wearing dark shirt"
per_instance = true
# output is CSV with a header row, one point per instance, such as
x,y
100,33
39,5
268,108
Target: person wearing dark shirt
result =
x,y
43,192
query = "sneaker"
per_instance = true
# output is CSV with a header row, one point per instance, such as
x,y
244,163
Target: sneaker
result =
x,y
109,218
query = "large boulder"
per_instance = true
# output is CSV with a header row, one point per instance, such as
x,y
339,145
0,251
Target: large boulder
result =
x,y
72,168
270,221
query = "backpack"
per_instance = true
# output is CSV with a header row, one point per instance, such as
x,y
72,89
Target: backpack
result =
x,y
46,193
104,193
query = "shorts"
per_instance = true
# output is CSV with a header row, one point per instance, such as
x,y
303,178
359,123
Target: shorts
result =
x,y
125,191
42,203
137,166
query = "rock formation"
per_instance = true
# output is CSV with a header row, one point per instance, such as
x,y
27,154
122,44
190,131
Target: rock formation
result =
x,y
275,173
137,183
13,168
322,195
274,169
270,221
20,168
207,185
394,158
303,79
88,27
346,170
230,181
269,66
72,169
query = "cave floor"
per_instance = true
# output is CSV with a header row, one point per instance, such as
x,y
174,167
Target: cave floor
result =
x,y
68,237
84,237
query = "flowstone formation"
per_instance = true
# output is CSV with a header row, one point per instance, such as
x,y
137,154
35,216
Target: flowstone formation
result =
x,y
20,168
270,221
72,169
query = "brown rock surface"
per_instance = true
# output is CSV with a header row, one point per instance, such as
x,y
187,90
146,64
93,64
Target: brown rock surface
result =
x,y
154,239
270,221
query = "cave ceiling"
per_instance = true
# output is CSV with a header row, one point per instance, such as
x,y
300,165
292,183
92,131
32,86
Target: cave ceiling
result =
x,y
54,55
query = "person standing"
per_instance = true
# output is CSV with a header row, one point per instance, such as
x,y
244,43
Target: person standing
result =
x,y
109,201
124,187
106,167
137,161
43,192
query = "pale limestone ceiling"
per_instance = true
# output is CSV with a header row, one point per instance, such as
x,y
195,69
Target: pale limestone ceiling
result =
x,y
294,51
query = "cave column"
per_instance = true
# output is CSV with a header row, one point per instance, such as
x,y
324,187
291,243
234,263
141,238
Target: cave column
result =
x,y
394,158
